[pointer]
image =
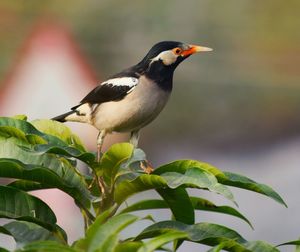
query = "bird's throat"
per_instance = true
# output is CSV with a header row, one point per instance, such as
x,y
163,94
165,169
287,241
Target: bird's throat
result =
x,y
162,75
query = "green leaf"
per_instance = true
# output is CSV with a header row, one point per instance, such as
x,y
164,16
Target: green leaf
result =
x,y
34,139
133,164
198,174
69,182
160,240
128,246
16,204
26,232
144,182
226,178
253,246
260,246
137,156
175,199
20,117
67,151
197,204
112,160
58,165
22,132
103,237
18,136
46,246
227,245
206,205
131,169
196,177
145,205
205,233
16,128
27,186
295,242
236,180
192,177
181,166
60,131
19,205
27,129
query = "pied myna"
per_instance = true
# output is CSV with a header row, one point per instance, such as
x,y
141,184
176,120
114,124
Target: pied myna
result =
x,y
131,99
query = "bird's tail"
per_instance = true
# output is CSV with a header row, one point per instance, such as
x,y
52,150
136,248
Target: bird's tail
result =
x,y
62,118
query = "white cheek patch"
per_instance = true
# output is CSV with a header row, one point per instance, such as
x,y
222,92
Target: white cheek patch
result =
x,y
123,81
167,57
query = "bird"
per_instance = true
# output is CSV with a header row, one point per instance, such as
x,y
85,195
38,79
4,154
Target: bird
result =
x,y
132,98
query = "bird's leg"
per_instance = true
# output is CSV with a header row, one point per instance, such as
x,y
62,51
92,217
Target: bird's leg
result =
x,y
145,165
100,179
100,140
134,138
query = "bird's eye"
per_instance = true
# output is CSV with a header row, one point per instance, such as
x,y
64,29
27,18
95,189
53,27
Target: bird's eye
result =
x,y
177,50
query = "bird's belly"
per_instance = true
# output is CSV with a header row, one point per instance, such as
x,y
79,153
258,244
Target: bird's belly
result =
x,y
135,111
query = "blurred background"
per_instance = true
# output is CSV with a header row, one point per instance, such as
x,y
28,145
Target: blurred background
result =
x,y
236,108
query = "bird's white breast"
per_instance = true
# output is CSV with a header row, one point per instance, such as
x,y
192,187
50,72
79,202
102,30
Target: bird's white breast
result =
x,y
136,110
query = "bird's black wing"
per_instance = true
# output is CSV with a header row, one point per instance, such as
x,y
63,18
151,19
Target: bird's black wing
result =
x,y
111,90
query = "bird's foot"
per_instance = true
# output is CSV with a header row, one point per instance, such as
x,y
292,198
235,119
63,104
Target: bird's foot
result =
x,y
146,166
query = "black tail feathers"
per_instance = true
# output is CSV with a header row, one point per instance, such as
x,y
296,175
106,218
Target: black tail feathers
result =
x,y
61,118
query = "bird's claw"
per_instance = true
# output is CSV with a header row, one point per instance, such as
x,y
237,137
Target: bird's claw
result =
x,y
146,166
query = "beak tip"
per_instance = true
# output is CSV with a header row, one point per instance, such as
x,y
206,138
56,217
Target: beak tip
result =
x,y
197,48
204,49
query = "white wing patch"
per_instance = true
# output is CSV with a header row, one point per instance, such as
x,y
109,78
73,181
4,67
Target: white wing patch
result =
x,y
122,81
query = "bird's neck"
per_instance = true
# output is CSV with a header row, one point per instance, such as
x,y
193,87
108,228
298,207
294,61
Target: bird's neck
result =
x,y
160,74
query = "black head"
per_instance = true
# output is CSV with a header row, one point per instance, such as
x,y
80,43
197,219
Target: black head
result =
x,y
163,58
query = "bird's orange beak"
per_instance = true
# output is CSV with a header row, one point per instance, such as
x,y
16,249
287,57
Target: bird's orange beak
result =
x,y
194,49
